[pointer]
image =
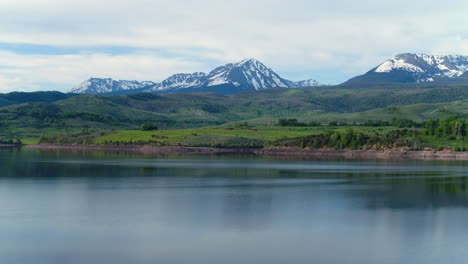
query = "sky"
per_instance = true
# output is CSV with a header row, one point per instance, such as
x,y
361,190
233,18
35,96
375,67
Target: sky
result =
x,y
57,44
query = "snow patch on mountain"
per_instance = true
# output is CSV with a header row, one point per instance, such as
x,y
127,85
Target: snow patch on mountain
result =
x,y
219,81
400,64
180,81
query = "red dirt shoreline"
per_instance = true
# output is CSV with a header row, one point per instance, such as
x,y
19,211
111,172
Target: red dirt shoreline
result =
x,y
268,152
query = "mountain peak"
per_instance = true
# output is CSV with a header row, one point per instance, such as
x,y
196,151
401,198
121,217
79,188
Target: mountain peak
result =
x,y
251,63
248,60
307,83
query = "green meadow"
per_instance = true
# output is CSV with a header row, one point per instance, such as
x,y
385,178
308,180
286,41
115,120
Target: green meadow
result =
x,y
213,135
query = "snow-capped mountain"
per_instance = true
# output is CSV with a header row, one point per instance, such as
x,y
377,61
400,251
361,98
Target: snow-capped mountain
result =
x,y
307,83
416,68
108,86
247,75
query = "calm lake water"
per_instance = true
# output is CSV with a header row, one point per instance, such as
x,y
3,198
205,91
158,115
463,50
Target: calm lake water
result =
x,y
58,207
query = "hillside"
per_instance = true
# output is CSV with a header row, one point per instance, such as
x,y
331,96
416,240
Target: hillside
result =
x,y
170,111
24,97
415,112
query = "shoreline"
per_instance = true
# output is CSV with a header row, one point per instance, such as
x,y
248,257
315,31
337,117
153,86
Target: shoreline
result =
x,y
267,152
10,145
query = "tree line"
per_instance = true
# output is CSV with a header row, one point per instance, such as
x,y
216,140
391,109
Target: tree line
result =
x,y
11,141
452,127
353,139
396,122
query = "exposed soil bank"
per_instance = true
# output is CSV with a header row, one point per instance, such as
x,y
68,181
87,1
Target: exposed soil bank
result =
x,y
272,152
365,154
143,149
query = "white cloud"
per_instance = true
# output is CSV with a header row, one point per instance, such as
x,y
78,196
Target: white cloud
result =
x,y
62,72
308,37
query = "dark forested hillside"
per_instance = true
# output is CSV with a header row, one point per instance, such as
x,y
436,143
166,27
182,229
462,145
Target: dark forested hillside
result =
x,y
24,97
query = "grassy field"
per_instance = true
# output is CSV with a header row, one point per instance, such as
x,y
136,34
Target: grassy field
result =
x,y
217,135
240,135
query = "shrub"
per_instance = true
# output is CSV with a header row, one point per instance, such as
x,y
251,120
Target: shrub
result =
x,y
241,125
290,122
148,127
314,123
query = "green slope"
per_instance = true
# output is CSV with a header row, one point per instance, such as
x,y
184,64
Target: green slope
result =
x,y
416,112
173,111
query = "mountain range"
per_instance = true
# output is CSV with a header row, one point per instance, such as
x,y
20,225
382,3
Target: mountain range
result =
x,y
251,75
247,75
417,68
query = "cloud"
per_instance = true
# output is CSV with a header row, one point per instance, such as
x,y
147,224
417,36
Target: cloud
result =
x,y
151,39
62,72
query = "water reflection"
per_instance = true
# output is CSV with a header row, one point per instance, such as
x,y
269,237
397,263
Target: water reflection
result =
x,y
114,208
247,207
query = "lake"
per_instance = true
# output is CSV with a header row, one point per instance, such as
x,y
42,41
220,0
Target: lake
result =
x,y
59,207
